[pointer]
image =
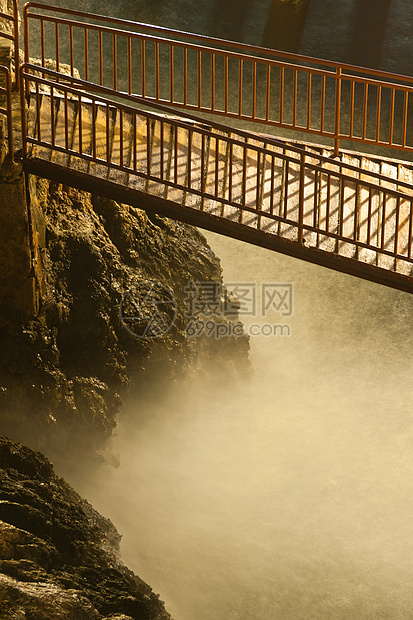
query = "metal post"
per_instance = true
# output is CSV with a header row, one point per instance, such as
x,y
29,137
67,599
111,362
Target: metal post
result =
x,y
338,112
16,45
301,199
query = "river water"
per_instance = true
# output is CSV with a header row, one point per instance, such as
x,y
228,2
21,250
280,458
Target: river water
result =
x,y
288,496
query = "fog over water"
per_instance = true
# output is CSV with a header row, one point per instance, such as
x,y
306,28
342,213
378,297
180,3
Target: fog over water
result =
x,y
289,496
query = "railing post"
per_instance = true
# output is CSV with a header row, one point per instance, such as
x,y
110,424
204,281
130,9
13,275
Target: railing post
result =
x,y
16,44
23,114
338,112
301,199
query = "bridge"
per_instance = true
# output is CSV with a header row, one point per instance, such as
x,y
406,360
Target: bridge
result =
x,y
232,138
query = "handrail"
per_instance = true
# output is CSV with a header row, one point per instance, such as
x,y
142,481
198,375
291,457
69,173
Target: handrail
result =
x,y
14,36
83,85
236,80
211,40
303,206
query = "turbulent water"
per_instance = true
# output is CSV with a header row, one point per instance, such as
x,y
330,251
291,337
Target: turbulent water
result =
x,y
289,496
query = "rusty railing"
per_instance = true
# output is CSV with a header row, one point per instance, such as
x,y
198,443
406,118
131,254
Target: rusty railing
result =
x,y
238,81
318,199
13,36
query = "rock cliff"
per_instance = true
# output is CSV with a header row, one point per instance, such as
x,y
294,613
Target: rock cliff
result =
x,y
62,374
58,556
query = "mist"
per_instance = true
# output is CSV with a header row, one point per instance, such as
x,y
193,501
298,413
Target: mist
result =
x,y
288,495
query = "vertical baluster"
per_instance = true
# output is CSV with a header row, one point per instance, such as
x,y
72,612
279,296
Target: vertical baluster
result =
x,y
341,209
171,71
272,184
94,129
42,43
212,81
80,115
108,158
366,90
143,61
71,45
285,206
216,166
282,95
157,69
86,45
185,77
130,87
338,112
230,170
409,247
369,216
135,147
391,130
57,46
244,177
309,76
397,231
301,200
240,87
317,183
52,116
378,114
189,174
199,79
328,178
66,123
203,166
176,155
121,128
258,180
406,101
254,90
295,98
356,213
226,84
39,131
115,61
323,102
267,104
383,221
352,96
148,146
162,176
100,58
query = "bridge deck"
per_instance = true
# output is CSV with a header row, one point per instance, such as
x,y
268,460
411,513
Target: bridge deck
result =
x,y
356,218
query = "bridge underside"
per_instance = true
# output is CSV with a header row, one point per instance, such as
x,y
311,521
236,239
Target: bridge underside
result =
x,y
208,221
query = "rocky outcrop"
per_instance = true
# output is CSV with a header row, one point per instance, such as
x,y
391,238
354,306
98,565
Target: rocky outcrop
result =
x,y
62,374
58,556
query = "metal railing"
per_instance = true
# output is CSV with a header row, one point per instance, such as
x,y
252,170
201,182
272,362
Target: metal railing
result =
x,y
238,81
320,197
13,36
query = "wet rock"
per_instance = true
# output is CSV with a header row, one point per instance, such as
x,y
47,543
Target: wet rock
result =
x,y
58,556
62,374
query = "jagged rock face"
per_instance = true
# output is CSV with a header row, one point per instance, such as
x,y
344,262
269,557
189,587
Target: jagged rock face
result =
x,y
61,376
58,556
